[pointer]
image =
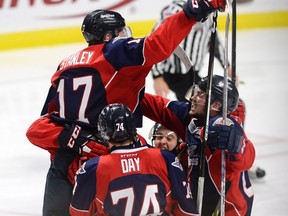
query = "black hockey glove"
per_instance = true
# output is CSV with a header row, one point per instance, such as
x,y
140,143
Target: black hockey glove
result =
x,y
73,137
201,9
225,138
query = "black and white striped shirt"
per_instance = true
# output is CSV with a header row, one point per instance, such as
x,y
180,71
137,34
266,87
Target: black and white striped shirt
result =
x,y
196,45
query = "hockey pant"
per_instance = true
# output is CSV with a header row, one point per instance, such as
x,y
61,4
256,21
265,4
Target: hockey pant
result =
x,y
58,188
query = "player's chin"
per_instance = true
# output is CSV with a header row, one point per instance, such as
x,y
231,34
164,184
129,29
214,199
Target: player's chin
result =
x,y
192,113
192,109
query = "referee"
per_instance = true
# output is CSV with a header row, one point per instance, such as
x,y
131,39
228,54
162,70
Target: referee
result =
x,y
171,73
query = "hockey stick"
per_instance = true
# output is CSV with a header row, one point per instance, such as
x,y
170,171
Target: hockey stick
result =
x,y
207,110
225,96
182,55
234,25
220,208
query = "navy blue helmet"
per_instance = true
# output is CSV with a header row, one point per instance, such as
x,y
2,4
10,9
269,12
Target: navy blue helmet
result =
x,y
98,23
116,123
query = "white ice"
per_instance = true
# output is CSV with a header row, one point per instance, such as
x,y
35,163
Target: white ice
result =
x,y
262,63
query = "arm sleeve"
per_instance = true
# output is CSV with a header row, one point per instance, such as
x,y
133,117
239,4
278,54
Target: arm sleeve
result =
x,y
243,160
161,110
156,70
44,133
168,10
147,51
236,162
161,43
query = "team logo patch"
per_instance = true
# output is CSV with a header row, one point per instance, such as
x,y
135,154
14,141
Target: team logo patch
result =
x,y
177,164
82,170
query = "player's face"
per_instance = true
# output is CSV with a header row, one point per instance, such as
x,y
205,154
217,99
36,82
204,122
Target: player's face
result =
x,y
120,32
165,139
198,100
123,32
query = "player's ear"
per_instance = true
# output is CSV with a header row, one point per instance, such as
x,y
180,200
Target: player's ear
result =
x,y
107,37
216,106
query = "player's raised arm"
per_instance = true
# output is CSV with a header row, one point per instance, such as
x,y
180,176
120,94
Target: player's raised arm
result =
x,y
175,28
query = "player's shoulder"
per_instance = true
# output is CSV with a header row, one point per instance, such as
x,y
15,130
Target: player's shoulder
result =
x,y
120,46
91,163
167,155
123,52
171,159
179,108
122,41
161,156
152,150
151,153
88,168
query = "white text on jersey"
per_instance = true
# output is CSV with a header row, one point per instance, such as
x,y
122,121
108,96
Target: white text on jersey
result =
x,y
76,59
130,165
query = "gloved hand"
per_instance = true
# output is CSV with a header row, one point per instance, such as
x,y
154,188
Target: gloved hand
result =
x,y
202,8
73,137
73,168
225,137
93,149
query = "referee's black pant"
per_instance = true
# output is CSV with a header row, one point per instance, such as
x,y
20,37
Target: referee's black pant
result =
x,y
180,83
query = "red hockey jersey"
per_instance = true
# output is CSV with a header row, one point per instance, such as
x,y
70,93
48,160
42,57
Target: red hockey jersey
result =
x,y
112,72
132,181
174,115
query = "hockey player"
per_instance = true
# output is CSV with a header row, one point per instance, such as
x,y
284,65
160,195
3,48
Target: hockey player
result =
x,y
187,120
171,73
125,182
164,138
113,64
